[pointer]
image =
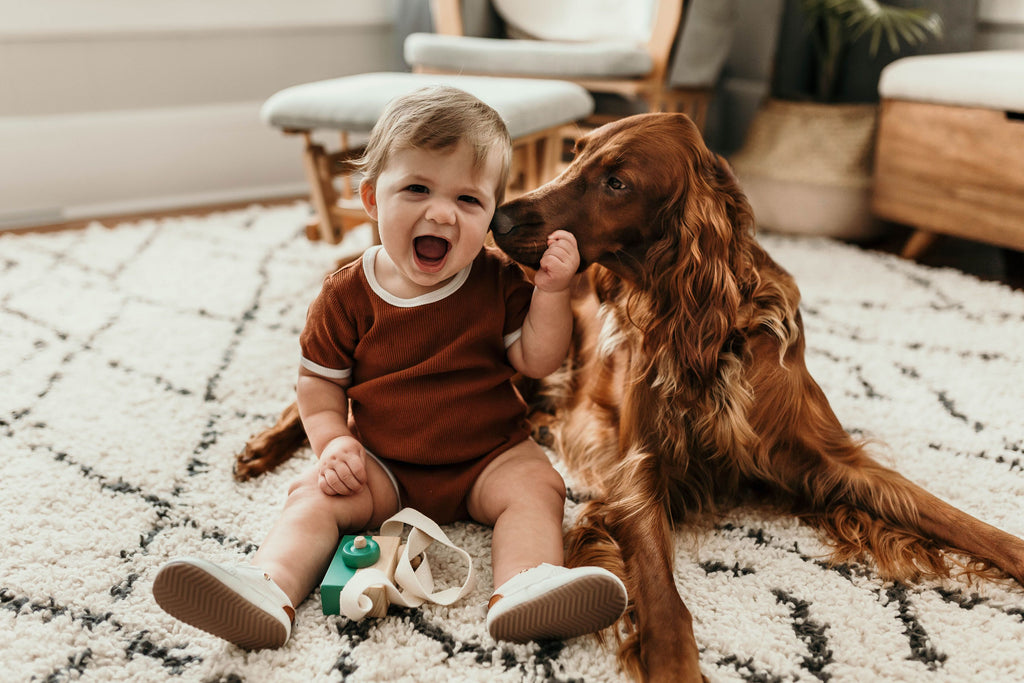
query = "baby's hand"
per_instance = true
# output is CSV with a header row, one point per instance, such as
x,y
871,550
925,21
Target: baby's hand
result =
x,y
342,467
559,263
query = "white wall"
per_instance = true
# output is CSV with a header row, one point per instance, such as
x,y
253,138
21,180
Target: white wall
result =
x,y
94,17
118,106
1000,25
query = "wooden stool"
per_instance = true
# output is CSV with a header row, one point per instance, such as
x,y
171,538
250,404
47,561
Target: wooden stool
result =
x,y
949,156
536,111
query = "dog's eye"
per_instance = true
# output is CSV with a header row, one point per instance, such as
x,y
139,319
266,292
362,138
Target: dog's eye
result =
x,y
615,183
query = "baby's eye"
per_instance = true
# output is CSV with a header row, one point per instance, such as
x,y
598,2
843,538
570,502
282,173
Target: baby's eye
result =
x,y
469,199
419,189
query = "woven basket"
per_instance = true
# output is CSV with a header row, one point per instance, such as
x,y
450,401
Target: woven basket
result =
x,y
824,144
806,168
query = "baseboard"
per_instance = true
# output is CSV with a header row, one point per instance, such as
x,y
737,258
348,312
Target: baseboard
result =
x,y
164,207
63,168
125,215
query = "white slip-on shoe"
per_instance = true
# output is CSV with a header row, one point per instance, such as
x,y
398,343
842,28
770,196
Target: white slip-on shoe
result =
x,y
240,603
555,603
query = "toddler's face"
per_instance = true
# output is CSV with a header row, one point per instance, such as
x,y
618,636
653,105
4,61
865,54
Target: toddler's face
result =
x,y
433,208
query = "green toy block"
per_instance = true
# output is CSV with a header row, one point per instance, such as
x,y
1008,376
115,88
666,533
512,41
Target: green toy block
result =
x,y
349,559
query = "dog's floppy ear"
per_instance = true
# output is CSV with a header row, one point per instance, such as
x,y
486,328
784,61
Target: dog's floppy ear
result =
x,y
697,271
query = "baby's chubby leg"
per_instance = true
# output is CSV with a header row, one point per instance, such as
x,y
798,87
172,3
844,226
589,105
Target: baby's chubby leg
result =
x,y
523,497
302,541
535,598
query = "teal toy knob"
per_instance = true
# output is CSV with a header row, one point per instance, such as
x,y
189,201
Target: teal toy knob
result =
x,y
360,552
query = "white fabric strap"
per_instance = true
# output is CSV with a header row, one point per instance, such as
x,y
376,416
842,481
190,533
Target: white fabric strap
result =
x,y
414,586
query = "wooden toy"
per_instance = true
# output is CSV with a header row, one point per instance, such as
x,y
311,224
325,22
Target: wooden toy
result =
x,y
344,590
354,554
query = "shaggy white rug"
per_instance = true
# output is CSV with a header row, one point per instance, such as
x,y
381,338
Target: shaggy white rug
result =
x,y
135,362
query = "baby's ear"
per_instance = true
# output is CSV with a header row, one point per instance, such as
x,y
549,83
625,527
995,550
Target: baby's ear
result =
x,y
368,193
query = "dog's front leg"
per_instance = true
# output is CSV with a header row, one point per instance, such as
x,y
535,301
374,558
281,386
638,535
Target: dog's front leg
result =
x,y
664,636
639,489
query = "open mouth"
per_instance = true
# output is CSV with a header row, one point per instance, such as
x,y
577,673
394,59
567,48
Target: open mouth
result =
x,y
431,251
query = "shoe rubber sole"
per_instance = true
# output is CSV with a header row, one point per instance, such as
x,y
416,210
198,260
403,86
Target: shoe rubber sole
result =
x,y
193,596
586,605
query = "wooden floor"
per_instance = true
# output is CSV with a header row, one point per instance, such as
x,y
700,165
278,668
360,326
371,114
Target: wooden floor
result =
x,y
981,260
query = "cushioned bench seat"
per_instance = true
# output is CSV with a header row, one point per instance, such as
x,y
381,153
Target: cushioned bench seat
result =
x,y
949,156
534,110
537,58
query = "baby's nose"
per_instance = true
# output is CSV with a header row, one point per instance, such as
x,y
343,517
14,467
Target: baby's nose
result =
x,y
441,211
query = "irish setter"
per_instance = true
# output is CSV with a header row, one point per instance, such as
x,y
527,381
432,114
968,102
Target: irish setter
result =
x,y
687,388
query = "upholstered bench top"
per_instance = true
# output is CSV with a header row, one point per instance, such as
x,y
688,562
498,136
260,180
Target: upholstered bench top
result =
x,y
535,57
990,79
354,103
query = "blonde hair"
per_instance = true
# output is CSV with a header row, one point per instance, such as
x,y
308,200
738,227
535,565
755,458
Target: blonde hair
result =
x,y
436,118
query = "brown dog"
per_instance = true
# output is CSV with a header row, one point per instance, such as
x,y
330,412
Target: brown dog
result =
x,y
688,385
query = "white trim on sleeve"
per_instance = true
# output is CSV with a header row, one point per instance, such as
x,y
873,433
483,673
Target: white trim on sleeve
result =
x,y
329,373
512,337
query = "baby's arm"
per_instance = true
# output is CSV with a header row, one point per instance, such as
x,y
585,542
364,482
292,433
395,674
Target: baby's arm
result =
x,y
323,407
547,329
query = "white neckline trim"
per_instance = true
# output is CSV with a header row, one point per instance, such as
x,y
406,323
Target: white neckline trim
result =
x,y
370,255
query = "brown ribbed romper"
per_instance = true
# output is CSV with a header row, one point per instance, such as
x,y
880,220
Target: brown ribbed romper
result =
x,y
429,378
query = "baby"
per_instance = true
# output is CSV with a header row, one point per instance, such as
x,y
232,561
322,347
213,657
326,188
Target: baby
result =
x,y
421,337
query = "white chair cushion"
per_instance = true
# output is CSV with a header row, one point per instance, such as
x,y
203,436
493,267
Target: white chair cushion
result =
x,y
991,79
354,103
527,57
579,20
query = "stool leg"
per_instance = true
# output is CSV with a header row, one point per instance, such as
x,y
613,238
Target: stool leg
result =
x,y
917,244
517,181
552,156
346,182
531,165
322,192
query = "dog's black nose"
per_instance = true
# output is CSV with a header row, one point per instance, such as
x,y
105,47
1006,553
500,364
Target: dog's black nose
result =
x,y
501,224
